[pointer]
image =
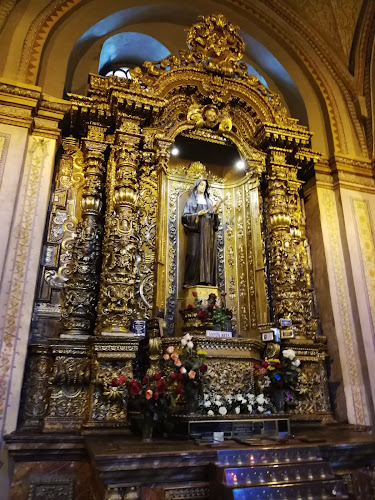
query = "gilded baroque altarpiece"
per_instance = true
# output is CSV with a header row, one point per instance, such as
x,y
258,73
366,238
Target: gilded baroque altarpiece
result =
x,y
114,244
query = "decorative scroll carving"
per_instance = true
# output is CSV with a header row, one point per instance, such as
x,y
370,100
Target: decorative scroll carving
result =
x,y
38,389
103,408
52,489
68,404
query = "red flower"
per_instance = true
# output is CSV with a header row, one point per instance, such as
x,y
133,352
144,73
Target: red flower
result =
x,y
195,294
202,315
160,386
190,307
173,376
156,396
135,388
179,376
203,368
157,376
116,381
122,379
256,366
145,380
210,307
212,296
278,365
179,389
264,364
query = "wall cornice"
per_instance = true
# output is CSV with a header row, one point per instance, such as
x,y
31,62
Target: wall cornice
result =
x,y
25,105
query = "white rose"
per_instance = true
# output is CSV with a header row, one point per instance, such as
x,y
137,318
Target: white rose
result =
x,y
207,403
183,341
289,353
190,344
206,396
239,397
251,398
237,409
217,403
228,397
250,408
296,362
260,399
260,409
210,413
188,336
222,410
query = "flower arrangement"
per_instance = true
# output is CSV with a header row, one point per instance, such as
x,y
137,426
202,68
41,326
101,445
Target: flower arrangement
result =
x,y
216,313
236,404
189,372
276,375
150,396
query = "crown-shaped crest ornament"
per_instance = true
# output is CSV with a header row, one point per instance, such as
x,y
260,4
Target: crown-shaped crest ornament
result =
x,y
216,39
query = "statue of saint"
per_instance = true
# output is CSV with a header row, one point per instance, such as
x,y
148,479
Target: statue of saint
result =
x,y
200,221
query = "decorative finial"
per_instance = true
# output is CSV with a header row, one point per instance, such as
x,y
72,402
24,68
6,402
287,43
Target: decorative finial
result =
x,y
216,38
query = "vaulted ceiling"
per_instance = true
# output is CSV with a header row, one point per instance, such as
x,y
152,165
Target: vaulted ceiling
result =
x,y
315,53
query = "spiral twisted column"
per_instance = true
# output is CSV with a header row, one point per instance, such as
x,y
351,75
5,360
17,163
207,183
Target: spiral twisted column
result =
x,y
80,293
117,289
290,272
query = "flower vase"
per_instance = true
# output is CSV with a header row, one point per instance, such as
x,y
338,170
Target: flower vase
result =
x,y
191,401
278,399
147,427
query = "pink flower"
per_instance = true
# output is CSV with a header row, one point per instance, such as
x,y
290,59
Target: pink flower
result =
x,y
170,349
174,356
183,369
166,357
192,374
148,393
177,362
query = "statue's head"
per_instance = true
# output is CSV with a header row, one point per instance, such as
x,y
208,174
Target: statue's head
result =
x,y
201,187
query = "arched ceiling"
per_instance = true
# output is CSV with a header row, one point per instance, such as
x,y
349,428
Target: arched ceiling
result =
x,y
310,41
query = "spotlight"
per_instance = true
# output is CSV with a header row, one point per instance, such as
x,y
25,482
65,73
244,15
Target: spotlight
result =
x,y
175,151
240,164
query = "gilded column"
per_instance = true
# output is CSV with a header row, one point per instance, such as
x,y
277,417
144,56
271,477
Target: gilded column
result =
x,y
116,302
290,273
80,294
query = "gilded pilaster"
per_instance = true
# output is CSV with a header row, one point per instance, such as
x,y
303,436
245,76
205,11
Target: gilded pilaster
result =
x,y
146,224
38,388
163,147
116,302
80,293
